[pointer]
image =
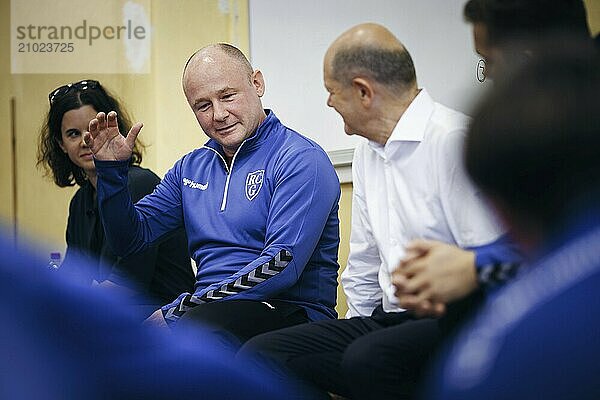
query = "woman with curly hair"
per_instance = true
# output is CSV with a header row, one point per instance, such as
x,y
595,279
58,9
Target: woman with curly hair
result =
x,y
151,278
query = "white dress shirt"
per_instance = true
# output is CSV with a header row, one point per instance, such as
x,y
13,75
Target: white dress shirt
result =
x,y
414,187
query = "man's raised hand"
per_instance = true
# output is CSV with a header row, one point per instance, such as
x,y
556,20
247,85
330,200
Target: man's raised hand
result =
x,y
105,140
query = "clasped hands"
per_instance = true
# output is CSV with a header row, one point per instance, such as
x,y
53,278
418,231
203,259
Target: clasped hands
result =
x,y
432,275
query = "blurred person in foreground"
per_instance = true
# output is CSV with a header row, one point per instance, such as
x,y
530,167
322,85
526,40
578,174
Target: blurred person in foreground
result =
x,y
505,33
59,340
538,337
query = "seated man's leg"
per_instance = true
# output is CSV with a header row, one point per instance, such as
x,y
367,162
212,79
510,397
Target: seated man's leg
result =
x,y
236,321
312,352
388,363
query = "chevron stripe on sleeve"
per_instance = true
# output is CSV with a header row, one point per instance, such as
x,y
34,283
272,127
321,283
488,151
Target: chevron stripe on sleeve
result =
x,y
498,273
242,283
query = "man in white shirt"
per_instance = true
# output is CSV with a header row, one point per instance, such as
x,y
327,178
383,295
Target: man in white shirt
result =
x,y
409,183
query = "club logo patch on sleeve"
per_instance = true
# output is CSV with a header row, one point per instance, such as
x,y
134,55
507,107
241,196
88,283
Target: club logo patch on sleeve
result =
x,y
254,182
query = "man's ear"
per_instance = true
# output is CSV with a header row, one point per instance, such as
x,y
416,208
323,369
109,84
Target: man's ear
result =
x,y
364,90
259,82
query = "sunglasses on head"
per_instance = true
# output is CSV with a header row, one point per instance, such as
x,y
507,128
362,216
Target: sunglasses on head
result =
x,y
65,89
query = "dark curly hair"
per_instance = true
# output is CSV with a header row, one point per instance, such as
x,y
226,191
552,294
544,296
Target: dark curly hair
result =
x,y
50,155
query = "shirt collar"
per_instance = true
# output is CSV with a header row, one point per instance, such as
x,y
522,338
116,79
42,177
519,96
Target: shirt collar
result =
x,y
412,123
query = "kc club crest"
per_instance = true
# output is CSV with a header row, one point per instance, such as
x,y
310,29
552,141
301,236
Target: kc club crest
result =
x,y
254,182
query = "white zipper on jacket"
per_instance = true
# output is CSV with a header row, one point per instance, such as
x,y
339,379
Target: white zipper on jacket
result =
x,y
228,169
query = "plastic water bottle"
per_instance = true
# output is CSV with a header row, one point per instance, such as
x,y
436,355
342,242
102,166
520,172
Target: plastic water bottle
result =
x,y
54,262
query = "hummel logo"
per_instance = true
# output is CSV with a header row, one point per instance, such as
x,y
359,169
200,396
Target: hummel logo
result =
x,y
194,185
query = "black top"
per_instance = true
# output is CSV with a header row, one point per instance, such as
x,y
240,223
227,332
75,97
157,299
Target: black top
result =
x,y
162,272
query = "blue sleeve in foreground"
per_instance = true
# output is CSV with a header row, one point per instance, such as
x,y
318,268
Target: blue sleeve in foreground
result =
x,y
498,261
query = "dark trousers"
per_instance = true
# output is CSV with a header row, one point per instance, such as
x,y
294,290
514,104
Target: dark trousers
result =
x,y
233,322
377,357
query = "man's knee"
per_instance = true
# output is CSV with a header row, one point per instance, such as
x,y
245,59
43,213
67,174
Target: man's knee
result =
x,y
259,344
359,359
271,345
375,370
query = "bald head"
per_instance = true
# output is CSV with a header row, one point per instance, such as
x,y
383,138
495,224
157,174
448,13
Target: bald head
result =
x,y
367,35
211,53
371,51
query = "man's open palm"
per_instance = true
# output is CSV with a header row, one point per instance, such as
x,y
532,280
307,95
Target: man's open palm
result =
x,y
105,140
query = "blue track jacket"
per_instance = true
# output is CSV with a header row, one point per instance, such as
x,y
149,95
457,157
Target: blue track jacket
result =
x,y
266,228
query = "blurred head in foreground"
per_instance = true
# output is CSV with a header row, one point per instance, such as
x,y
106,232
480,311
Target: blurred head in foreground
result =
x,y
534,144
